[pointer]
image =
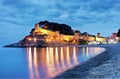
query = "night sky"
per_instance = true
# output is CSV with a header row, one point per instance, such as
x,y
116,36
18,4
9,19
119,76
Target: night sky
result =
x,y
90,16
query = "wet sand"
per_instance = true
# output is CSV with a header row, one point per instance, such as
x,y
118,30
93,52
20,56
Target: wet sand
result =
x,y
106,65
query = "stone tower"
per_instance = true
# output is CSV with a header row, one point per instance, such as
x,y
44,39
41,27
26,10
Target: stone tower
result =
x,y
98,34
37,28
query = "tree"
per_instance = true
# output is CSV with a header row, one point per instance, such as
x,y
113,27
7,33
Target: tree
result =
x,y
32,31
118,33
82,41
85,34
77,31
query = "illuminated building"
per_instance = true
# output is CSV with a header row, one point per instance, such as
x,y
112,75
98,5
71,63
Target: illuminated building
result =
x,y
46,37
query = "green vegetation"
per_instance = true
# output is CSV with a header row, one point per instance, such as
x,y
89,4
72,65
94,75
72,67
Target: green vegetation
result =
x,y
81,42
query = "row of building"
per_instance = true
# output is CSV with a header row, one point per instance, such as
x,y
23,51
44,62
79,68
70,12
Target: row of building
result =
x,y
51,37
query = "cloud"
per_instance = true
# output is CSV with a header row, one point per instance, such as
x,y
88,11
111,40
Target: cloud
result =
x,y
76,13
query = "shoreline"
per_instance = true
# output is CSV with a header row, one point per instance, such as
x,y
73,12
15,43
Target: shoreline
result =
x,y
101,66
104,65
42,45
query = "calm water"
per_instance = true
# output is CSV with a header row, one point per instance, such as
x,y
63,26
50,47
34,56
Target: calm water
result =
x,y
37,62
42,62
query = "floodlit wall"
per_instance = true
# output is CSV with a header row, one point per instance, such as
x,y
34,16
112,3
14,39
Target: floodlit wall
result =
x,y
68,37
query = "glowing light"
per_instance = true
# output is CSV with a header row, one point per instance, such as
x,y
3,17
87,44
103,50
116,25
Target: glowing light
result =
x,y
75,56
35,57
48,40
50,61
87,53
35,39
117,38
56,56
83,50
30,63
67,38
51,53
111,40
68,56
29,39
36,63
98,39
62,57
47,55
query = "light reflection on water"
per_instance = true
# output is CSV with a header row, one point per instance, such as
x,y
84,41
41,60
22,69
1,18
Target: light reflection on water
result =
x,y
51,61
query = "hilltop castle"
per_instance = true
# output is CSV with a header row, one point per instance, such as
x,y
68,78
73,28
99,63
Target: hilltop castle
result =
x,y
46,35
53,34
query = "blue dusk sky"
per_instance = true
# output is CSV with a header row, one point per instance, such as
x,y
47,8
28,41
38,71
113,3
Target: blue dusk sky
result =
x,y
92,16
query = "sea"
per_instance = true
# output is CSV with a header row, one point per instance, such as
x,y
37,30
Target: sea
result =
x,y
36,63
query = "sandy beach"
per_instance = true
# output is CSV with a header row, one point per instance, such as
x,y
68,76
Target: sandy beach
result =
x,y
105,66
